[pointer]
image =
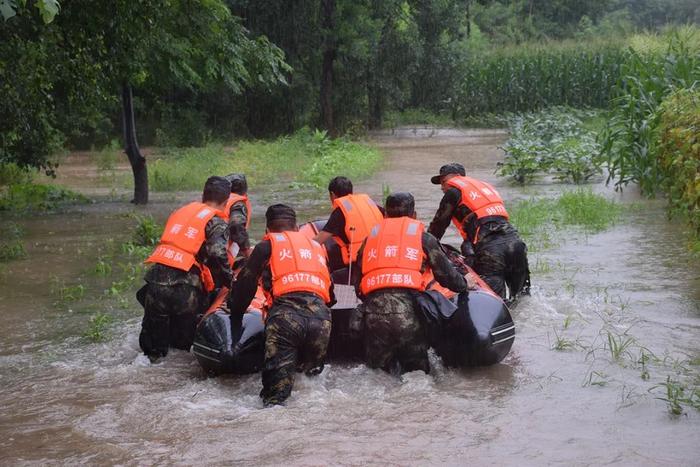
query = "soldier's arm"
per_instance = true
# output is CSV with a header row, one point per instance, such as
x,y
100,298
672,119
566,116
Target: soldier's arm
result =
x,y
215,251
444,271
443,216
238,217
334,226
246,284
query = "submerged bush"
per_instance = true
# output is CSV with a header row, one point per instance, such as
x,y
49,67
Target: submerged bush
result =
x,y
679,154
11,246
554,141
11,173
36,197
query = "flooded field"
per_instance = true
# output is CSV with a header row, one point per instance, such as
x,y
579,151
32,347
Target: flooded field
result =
x,y
611,317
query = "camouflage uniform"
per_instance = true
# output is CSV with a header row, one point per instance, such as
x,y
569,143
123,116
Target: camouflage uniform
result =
x,y
499,255
238,217
175,298
393,335
297,329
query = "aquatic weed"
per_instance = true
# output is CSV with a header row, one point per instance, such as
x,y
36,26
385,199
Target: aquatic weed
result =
x,y
677,395
147,231
97,327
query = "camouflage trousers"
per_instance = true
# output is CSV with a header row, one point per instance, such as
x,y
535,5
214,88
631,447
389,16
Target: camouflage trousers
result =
x,y
296,339
393,336
170,317
501,260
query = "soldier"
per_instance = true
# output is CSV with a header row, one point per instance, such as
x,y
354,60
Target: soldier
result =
x,y
190,261
498,254
390,271
294,274
352,218
238,213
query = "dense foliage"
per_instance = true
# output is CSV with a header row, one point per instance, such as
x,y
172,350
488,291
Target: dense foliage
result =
x,y
647,77
679,153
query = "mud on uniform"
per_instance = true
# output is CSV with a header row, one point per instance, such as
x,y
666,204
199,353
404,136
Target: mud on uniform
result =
x,y
389,316
298,324
174,298
492,244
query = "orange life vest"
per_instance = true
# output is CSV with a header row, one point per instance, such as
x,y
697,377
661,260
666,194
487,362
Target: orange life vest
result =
x,y
393,256
361,214
298,264
481,198
233,199
182,238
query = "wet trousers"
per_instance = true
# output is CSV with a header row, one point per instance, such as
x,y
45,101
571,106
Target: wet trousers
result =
x,y
394,339
170,317
501,260
296,339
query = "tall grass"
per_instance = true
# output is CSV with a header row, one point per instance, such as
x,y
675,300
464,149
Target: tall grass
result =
x,y
36,197
308,158
581,208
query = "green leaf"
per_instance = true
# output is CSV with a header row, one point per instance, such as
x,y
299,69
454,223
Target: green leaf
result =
x,y
8,9
48,9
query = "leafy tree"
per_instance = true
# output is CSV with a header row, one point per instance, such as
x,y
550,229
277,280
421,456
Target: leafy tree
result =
x,y
159,44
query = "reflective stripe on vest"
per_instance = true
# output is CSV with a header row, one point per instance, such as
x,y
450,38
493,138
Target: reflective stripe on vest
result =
x,y
298,264
182,238
233,199
361,214
480,197
393,255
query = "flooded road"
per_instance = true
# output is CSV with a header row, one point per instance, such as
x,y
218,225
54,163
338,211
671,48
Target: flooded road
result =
x,y
571,391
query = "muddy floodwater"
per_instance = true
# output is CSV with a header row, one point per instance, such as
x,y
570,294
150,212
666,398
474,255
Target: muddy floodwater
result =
x,y
562,396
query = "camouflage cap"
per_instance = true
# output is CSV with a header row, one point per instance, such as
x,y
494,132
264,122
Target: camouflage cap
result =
x,y
280,211
239,184
451,168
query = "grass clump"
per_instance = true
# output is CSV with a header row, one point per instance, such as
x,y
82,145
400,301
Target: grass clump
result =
x,y
416,117
11,246
97,327
37,197
307,157
147,231
11,173
535,219
679,395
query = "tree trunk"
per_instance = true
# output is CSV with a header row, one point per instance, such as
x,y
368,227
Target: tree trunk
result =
x,y
131,147
469,20
329,54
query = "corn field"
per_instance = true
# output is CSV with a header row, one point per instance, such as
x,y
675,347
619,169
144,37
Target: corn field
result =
x,y
532,79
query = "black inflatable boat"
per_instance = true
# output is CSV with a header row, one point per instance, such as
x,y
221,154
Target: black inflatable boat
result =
x,y
469,329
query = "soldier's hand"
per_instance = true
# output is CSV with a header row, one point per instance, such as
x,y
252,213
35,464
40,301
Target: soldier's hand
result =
x,y
471,281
